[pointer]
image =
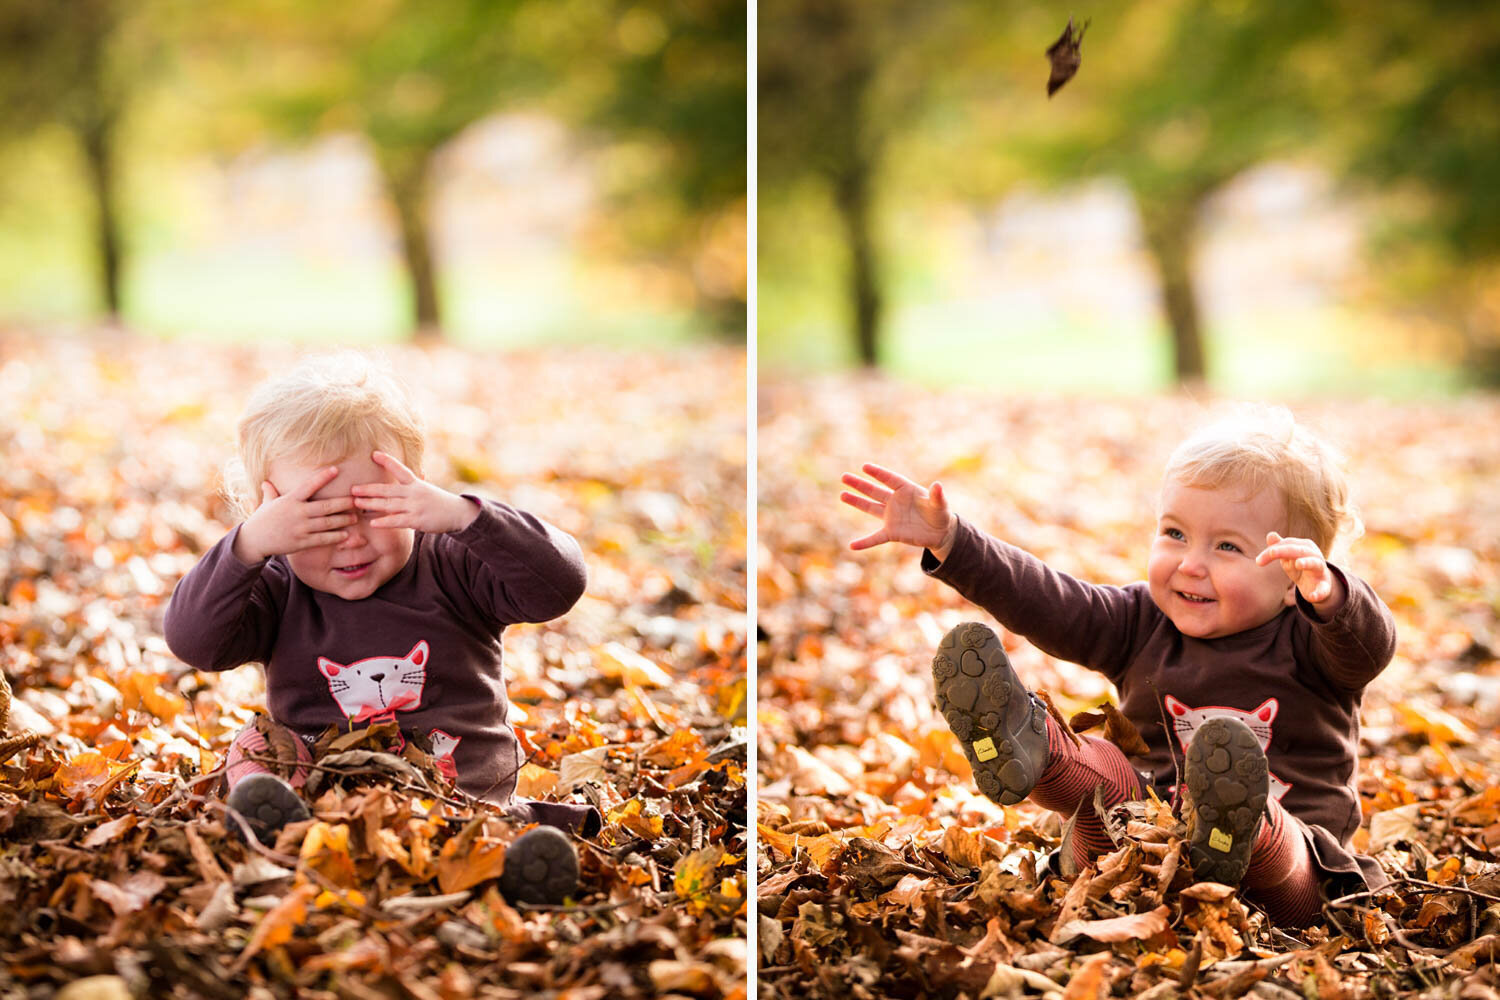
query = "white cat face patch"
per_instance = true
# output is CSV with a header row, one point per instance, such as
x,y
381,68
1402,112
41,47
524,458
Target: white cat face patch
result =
x,y
443,746
1185,723
376,688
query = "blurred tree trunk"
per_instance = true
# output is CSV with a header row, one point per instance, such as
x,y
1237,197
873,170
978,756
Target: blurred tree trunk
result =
x,y
853,151
93,121
853,196
406,178
97,138
1170,229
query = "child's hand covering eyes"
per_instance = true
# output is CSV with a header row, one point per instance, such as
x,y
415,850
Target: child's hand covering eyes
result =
x,y
909,513
291,522
411,502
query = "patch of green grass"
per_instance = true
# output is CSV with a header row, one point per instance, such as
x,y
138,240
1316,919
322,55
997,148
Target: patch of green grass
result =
x,y
240,296
1298,354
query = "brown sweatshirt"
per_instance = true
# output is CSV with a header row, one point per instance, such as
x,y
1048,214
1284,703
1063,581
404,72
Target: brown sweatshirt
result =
x,y
1296,681
424,649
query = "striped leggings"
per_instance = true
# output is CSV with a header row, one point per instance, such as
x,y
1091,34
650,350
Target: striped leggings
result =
x,y
1282,877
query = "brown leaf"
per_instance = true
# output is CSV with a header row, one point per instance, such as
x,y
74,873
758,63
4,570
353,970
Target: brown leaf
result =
x,y
105,833
1065,56
130,895
1117,729
1131,927
870,868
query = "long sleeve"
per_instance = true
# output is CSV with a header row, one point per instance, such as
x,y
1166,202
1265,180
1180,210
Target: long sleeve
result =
x,y
519,567
224,612
1357,643
1097,626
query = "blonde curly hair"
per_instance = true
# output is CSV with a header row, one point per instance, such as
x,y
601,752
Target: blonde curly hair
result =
x,y
327,408
1257,446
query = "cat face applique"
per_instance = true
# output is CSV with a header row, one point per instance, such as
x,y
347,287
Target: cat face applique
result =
x,y
1185,723
443,746
376,688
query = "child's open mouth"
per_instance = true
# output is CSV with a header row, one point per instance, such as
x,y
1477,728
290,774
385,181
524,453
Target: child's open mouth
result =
x,y
1194,598
353,572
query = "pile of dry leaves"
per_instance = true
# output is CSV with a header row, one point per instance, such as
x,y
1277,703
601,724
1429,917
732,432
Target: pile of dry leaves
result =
x,y
883,873
117,861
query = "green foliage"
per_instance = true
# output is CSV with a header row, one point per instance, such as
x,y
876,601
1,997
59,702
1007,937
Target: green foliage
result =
x,y
675,105
946,104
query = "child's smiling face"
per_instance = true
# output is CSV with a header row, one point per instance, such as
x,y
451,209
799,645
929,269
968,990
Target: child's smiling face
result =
x,y
359,565
1202,570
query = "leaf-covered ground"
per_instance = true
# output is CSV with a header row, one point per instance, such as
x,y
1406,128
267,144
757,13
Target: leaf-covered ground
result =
x,y
115,857
883,873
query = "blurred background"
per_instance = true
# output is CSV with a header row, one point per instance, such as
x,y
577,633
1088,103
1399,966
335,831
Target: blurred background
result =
x,y
1275,197
491,172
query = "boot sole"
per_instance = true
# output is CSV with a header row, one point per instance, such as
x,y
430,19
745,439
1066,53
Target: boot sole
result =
x,y
540,867
267,803
1002,730
1228,783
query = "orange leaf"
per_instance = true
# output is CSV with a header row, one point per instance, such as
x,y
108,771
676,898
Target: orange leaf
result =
x,y
694,874
91,773
277,926
325,850
469,859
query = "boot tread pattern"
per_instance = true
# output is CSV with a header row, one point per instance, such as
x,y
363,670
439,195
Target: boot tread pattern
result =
x,y
1000,726
1228,783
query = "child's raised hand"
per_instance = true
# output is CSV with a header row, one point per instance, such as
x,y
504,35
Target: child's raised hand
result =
x,y
908,513
293,521
411,502
1304,565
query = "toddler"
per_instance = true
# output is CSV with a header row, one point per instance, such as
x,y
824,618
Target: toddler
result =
x,y
1241,659
371,595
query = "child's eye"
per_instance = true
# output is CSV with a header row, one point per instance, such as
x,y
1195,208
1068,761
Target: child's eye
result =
x,y
1173,533
1229,547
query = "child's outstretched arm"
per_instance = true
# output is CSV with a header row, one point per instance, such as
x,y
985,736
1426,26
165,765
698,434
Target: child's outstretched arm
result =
x,y
908,513
1096,626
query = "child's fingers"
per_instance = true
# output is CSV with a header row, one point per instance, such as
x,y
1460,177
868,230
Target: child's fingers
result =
x,y
892,479
860,503
937,495
379,490
333,522
393,465
1286,552
333,505
870,541
379,503
268,492
320,538
866,487
315,482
